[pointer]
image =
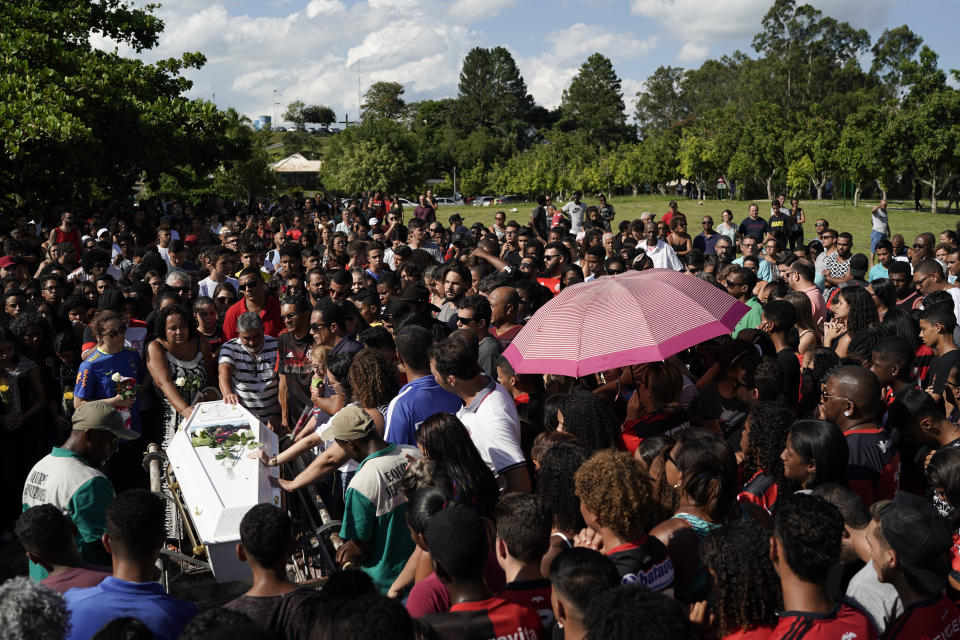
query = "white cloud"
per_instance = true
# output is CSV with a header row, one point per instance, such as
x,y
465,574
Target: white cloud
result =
x,y
549,73
698,23
324,7
693,52
474,10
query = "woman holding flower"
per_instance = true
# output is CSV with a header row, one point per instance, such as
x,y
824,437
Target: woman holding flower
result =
x,y
180,365
106,373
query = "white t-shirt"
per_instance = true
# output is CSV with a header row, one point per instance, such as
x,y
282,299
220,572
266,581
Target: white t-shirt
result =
x,y
206,287
492,422
575,211
663,256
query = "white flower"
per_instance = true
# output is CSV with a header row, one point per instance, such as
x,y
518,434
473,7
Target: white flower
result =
x,y
116,377
180,381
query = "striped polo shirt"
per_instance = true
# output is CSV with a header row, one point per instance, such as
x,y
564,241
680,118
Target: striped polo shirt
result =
x,y
254,379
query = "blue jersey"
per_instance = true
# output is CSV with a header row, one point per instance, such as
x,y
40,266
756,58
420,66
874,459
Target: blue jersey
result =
x,y
94,379
417,401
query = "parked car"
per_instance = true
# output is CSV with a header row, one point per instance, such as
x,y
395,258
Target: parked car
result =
x,y
482,201
450,201
407,204
506,199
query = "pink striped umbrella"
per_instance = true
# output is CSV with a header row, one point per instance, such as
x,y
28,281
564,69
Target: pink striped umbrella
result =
x,y
616,321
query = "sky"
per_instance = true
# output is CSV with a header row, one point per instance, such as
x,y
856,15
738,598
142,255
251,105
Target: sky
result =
x,y
330,51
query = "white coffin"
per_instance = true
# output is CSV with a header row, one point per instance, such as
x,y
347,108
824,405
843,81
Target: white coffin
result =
x,y
217,495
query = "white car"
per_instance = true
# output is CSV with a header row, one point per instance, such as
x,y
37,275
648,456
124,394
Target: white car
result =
x,y
482,201
407,204
449,201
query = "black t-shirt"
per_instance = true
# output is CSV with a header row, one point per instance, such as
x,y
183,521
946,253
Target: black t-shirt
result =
x,y
754,228
780,227
940,369
290,615
791,375
645,562
293,361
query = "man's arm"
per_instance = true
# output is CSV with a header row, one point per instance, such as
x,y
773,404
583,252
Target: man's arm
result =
x,y
517,479
225,379
284,402
496,261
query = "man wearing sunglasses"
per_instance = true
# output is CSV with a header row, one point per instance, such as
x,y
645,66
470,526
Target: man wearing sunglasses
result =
x,y
255,299
706,240
851,399
474,314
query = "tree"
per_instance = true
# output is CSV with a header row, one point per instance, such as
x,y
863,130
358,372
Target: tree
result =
x,y
79,124
661,104
493,94
294,114
593,103
812,152
318,114
249,176
927,124
891,53
383,100
377,154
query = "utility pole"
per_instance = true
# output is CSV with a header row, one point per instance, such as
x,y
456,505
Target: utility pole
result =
x,y
359,111
346,121
454,182
276,108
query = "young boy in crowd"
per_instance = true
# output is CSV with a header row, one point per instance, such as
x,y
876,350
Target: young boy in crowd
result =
x,y
777,318
523,536
273,602
46,535
908,541
892,363
457,539
577,576
806,543
936,330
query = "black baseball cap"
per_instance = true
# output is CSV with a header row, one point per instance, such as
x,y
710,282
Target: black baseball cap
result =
x,y
921,539
416,292
455,218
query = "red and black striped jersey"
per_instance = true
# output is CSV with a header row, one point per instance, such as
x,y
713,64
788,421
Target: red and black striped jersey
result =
x,y
532,594
933,619
761,490
486,620
843,623
645,562
874,463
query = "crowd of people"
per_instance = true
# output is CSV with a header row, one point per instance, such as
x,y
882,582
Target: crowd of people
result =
x,y
798,478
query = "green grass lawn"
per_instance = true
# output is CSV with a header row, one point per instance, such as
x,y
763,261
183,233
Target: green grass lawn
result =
x,y
856,220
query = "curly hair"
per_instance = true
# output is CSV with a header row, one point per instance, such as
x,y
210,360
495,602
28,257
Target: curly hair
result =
x,y
863,312
809,530
611,485
746,588
769,426
373,379
586,416
555,485
30,611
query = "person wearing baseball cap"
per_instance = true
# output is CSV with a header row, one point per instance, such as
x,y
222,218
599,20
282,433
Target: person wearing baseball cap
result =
x,y
374,514
456,224
909,547
70,478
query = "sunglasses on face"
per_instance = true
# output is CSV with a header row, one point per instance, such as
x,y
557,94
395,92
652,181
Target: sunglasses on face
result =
x,y
317,325
224,300
248,285
462,320
289,316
